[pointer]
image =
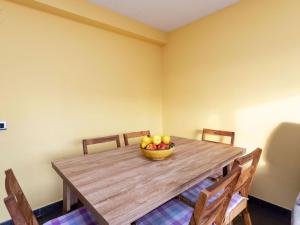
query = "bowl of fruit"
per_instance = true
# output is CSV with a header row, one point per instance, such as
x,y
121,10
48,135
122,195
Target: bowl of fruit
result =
x,y
157,147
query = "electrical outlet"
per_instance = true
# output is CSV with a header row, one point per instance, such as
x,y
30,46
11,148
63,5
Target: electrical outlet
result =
x,y
2,125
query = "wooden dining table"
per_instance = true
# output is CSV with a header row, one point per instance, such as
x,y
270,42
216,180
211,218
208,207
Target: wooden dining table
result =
x,y
121,185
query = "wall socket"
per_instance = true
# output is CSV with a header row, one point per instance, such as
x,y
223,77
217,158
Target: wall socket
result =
x,y
2,125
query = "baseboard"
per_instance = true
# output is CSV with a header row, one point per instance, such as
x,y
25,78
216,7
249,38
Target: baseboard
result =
x,y
276,208
42,212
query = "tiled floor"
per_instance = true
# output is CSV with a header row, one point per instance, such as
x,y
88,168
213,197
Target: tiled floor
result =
x,y
261,214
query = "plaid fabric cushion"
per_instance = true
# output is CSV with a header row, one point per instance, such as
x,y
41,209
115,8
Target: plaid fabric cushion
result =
x,y
173,212
78,217
235,200
193,193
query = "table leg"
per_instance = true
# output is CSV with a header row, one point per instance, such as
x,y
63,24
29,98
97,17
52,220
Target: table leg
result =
x,y
68,198
226,170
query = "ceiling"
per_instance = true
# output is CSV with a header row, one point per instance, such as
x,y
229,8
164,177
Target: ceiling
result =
x,y
165,15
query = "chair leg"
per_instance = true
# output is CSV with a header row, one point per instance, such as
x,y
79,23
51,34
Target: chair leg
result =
x,y
246,217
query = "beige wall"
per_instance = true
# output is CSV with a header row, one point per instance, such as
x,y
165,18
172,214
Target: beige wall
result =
x,y
239,70
62,81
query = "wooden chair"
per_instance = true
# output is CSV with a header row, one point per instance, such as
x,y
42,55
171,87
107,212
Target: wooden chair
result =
x,y
134,135
213,202
223,133
22,214
218,133
239,200
249,164
210,207
99,140
16,202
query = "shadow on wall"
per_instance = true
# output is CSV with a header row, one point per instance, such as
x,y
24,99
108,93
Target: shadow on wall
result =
x,y
198,134
281,160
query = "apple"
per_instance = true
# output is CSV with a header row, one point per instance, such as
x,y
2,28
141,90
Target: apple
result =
x,y
166,139
156,139
151,147
158,147
163,146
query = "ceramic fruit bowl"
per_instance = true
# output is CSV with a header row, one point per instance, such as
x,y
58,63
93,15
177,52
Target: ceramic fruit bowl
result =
x,y
157,154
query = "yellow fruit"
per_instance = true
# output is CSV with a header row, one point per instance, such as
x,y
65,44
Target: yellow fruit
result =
x,y
166,139
156,139
144,145
147,140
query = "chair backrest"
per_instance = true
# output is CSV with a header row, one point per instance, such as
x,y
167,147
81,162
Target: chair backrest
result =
x,y
134,135
16,202
248,163
218,133
93,141
213,201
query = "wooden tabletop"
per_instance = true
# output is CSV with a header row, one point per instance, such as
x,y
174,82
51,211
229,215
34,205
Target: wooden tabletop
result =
x,y
120,186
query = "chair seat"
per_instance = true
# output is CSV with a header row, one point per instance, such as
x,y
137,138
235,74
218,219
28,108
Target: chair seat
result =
x,y
193,193
78,217
173,212
235,200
